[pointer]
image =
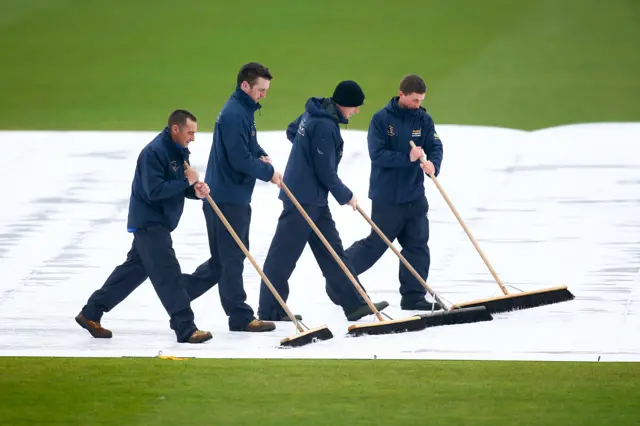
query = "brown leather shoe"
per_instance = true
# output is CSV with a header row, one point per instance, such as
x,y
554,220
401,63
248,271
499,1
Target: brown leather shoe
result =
x,y
94,328
200,336
256,326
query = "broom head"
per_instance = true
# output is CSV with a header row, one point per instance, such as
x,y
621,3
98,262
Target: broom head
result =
x,y
402,325
457,316
524,300
310,336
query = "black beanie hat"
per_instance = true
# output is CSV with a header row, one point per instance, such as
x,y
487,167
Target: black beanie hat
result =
x,y
348,94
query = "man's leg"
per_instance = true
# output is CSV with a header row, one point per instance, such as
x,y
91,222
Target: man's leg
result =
x,y
414,240
231,285
339,287
364,253
208,273
155,247
367,251
123,280
292,234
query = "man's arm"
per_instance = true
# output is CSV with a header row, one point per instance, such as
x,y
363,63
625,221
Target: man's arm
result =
x,y
292,129
235,139
261,151
323,151
154,183
381,156
435,151
190,193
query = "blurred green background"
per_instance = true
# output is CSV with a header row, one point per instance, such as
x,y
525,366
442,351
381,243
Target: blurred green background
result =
x,y
127,64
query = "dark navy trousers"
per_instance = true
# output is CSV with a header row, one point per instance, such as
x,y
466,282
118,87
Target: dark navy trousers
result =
x,y
408,223
226,265
292,235
151,256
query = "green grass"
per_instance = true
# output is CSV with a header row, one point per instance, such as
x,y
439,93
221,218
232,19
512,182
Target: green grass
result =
x,y
275,392
126,64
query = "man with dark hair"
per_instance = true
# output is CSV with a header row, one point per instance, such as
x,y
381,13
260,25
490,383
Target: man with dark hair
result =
x,y
250,73
311,173
235,162
396,188
160,185
179,117
413,83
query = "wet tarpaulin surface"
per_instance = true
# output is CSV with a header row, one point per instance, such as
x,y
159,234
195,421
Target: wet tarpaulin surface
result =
x,y
553,207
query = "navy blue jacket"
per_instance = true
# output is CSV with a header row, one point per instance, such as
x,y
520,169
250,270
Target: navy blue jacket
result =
x,y
234,163
159,185
312,167
394,179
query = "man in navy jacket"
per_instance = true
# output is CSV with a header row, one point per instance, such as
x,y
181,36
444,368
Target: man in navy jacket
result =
x,y
235,162
396,188
311,173
160,186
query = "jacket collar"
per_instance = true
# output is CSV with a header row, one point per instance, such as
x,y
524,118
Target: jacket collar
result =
x,y
395,107
332,109
245,100
166,137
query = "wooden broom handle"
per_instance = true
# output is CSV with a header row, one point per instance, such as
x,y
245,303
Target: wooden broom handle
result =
x,y
466,230
402,258
253,262
332,251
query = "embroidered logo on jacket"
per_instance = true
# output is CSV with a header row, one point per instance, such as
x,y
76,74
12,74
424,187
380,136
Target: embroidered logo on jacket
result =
x,y
391,131
303,121
174,166
416,133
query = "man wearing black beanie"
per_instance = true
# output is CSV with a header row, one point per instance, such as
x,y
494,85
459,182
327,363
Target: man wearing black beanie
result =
x,y
398,203
348,94
311,173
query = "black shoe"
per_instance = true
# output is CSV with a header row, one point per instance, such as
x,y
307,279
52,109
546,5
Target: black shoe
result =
x,y
365,310
284,317
420,305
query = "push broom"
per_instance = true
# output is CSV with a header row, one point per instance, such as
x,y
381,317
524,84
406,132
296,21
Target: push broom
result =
x,y
508,301
305,336
389,326
447,316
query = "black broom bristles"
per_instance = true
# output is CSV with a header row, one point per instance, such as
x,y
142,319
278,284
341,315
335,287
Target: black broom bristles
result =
x,y
514,302
307,337
457,316
414,323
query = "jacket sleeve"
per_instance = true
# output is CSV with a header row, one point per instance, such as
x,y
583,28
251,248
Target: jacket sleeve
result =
x,y
323,150
154,183
261,151
191,193
292,129
381,156
235,138
435,151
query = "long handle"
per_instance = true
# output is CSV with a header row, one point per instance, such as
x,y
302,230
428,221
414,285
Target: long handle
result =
x,y
401,257
466,230
253,262
332,251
